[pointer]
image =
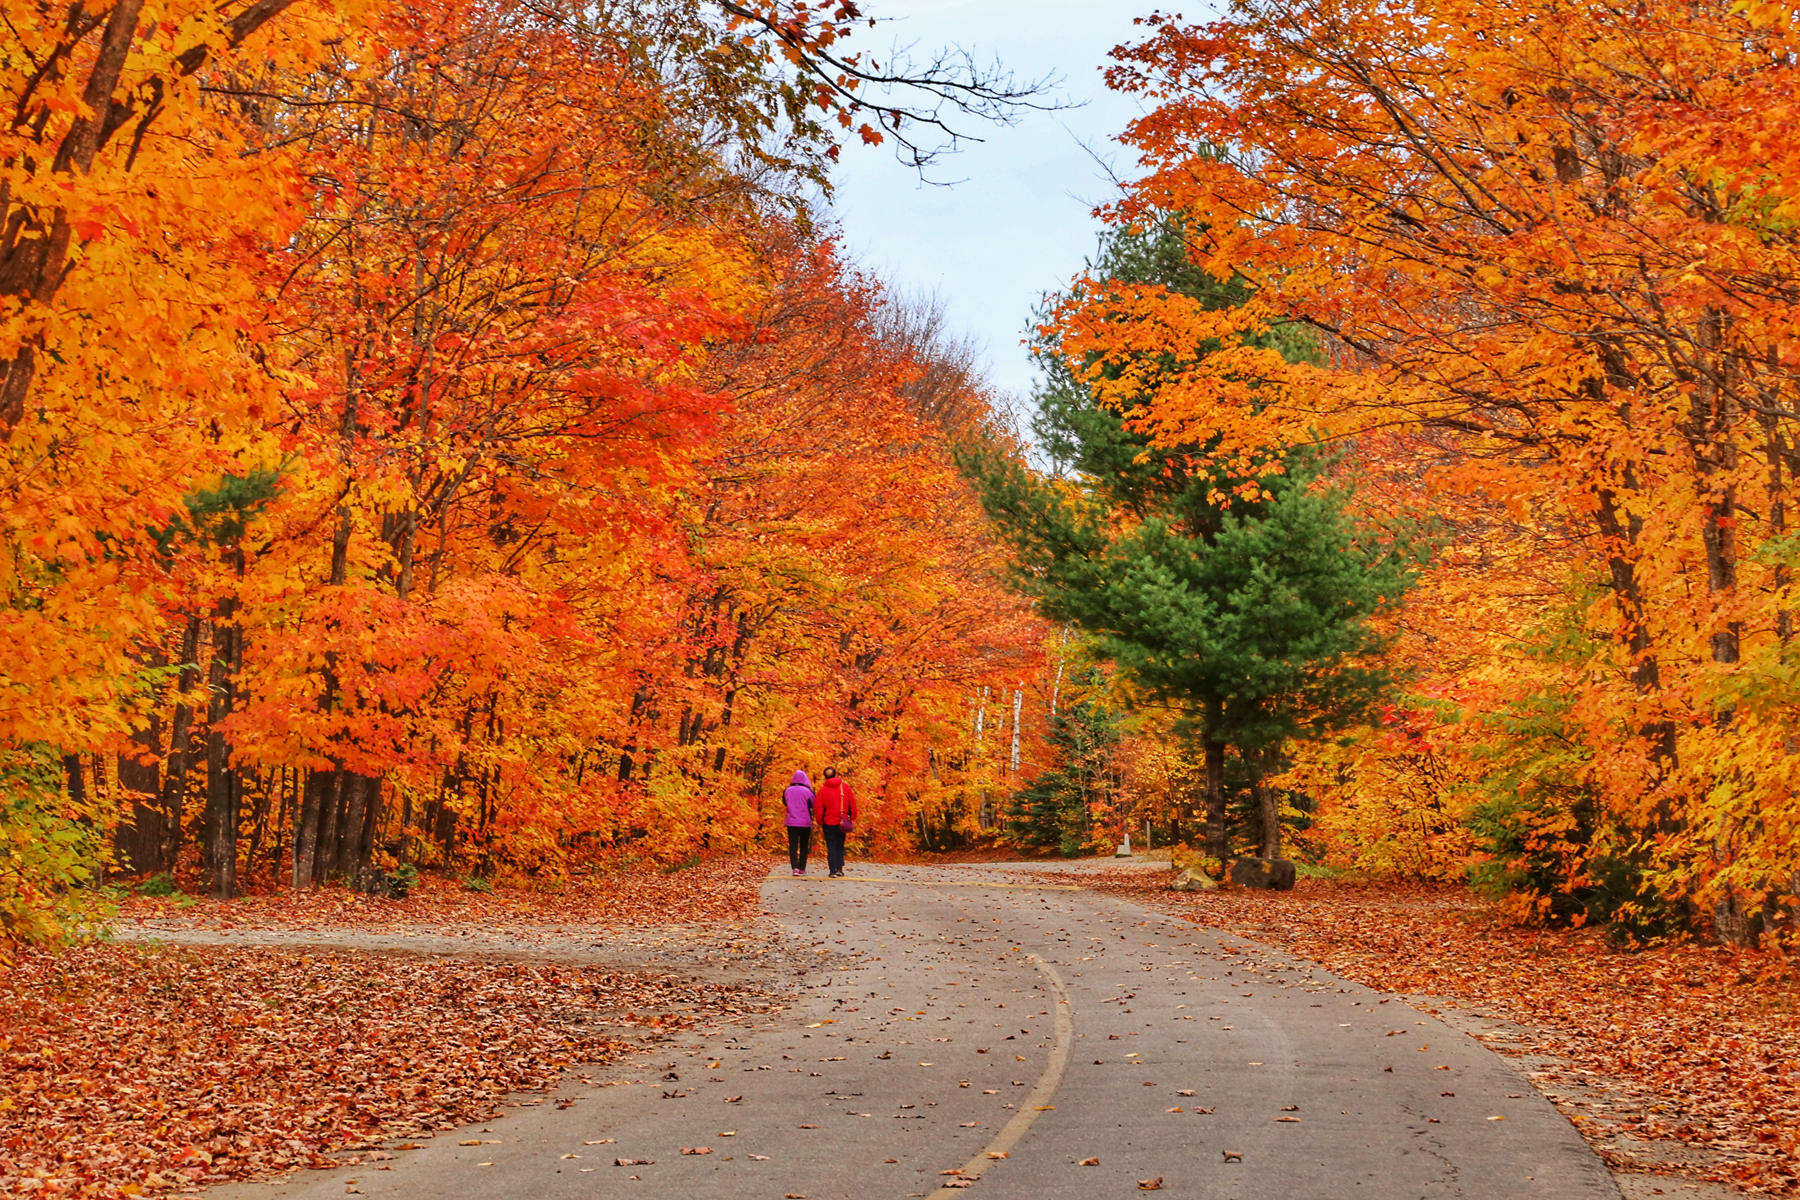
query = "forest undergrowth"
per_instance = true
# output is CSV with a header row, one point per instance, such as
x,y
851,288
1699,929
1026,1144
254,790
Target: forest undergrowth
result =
x,y
141,1068
1681,1042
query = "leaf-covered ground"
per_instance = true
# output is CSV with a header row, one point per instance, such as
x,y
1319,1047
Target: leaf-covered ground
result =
x,y
719,889
129,1069
1690,1044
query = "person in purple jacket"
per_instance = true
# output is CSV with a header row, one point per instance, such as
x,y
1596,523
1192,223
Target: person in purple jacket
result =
x,y
799,798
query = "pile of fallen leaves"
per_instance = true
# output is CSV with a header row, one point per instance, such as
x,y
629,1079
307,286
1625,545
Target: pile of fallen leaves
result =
x,y
138,1069
718,889
1700,1044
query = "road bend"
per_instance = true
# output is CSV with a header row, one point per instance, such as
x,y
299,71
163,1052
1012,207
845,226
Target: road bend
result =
x,y
1002,1032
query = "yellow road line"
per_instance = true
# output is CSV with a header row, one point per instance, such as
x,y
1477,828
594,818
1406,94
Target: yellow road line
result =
x,y
1041,1092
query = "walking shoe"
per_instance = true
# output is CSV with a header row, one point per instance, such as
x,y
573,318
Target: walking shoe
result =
x,y
799,873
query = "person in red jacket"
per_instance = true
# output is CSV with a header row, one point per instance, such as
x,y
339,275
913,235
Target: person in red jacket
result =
x,y
837,817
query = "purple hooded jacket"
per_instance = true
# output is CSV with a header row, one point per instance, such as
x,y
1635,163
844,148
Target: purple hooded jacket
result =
x,y
799,797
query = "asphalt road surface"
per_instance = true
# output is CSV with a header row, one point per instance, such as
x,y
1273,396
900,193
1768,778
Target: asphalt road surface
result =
x,y
993,1032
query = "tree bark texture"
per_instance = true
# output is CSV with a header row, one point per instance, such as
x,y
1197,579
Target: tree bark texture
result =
x,y
1215,799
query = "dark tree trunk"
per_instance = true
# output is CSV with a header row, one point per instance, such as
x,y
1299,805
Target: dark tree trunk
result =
x,y
174,785
306,829
365,848
1215,799
331,795
350,853
223,787
282,810
77,778
139,841
1268,806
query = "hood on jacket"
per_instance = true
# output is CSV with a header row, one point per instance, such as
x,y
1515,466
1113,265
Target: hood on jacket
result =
x,y
800,779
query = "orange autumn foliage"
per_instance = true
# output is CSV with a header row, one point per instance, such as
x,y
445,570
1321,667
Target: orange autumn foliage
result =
x,y
1547,247
452,441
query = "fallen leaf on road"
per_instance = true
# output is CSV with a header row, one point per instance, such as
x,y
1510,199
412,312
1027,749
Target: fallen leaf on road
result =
x,y
696,1149
571,1156
1184,1092
1090,1162
634,1162
732,1099
1496,1118
601,1142
998,1154
1232,1156
1177,1108
1295,1120
1290,1108
759,1158
1150,1185
809,1127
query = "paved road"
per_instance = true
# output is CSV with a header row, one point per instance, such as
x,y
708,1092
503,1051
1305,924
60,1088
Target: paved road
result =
x,y
1008,1025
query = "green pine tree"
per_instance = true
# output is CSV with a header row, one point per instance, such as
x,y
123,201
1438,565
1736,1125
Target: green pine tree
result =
x,y
1251,617
1055,810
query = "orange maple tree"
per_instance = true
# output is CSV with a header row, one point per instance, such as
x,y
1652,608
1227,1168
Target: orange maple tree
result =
x,y
1547,249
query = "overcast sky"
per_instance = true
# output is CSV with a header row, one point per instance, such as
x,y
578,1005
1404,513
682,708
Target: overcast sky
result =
x,y
1016,222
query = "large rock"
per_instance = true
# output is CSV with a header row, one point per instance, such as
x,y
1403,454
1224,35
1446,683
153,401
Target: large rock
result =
x,y
1274,873
1193,881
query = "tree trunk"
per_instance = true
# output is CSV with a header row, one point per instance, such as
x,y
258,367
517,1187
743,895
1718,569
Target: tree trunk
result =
x,y
223,787
331,792
306,830
350,854
365,846
1215,798
174,785
139,841
1268,806
77,778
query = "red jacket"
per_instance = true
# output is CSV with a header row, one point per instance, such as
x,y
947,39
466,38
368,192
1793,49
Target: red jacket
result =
x,y
836,801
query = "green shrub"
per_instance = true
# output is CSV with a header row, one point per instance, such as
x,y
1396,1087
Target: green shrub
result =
x,y
403,879
50,846
158,885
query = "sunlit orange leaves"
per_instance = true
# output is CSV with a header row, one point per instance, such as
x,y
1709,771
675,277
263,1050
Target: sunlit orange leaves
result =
x,y
1546,246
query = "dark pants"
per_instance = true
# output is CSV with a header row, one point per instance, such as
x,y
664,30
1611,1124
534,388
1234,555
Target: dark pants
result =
x,y
834,847
799,842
